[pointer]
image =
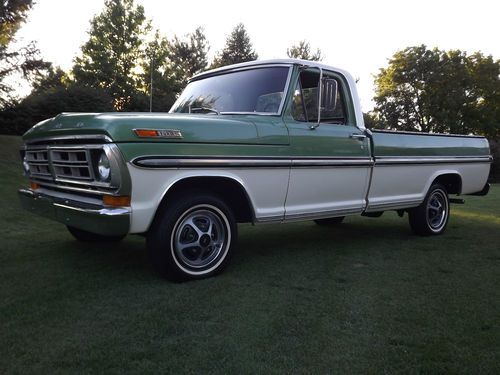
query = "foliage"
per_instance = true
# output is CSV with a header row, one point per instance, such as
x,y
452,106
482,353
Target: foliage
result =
x,y
155,68
302,50
238,49
172,63
47,103
12,15
188,56
370,119
439,91
110,57
24,61
53,78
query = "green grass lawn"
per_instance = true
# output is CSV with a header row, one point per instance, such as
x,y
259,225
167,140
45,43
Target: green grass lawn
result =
x,y
367,297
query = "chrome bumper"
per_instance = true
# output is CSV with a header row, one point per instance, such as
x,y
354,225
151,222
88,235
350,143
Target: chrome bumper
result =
x,y
92,218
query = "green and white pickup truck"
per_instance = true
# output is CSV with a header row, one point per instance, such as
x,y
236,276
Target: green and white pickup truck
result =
x,y
258,142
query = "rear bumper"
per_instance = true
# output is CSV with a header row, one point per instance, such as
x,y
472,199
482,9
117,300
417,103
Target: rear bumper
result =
x,y
92,218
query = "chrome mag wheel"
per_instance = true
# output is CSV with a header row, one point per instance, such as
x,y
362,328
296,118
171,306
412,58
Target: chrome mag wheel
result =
x,y
200,239
193,237
437,210
431,217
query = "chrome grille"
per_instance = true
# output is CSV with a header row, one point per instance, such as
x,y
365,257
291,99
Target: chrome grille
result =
x,y
71,164
62,164
38,162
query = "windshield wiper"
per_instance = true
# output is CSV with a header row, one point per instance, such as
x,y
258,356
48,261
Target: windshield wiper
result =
x,y
208,109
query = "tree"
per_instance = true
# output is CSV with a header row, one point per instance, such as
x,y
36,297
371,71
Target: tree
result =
x,y
370,120
40,105
238,49
24,61
169,64
439,91
156,68
53,78
111,55
303,51
12,15
188,56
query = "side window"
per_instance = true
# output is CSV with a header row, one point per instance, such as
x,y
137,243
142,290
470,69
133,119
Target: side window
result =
x,y
298,109
305,101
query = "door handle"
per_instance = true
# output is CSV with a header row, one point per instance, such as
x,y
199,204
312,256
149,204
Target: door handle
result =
x,y
357,136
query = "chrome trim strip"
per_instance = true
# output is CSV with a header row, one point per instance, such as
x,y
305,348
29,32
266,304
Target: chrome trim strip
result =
x,y
268,219
392,205
382,161
251,113
102,137
83,182
323,215
285,91
307,216
406,132
118,211
210,163
82,147
248,162
333,162
44,183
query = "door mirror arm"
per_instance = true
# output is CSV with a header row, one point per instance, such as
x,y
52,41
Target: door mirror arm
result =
x,y
327,96
320,86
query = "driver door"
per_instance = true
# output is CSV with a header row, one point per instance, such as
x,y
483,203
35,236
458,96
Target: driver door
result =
x,y
330,163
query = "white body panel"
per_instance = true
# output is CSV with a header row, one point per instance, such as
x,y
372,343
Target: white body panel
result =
x,y
326,190
406,185
287,194
266,189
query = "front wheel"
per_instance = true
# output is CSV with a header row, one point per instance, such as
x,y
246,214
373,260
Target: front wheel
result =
x,y
193,238
431,217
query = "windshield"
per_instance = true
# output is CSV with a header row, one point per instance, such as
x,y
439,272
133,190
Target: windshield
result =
x,y
259,90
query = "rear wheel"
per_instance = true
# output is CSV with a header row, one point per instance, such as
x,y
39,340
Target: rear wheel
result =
x,y
84,236
330,221
192,238
431,217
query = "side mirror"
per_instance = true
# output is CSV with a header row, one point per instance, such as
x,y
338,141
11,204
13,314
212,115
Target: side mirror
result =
x,y
328,95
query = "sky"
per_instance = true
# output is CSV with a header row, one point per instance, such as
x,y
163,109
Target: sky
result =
x,y
358,36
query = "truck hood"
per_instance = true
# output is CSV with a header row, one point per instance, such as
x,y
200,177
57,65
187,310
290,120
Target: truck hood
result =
x,y
206,128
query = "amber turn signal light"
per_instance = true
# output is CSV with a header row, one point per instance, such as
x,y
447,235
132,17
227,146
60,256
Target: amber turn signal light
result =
x,y
116,201
34,186
145,133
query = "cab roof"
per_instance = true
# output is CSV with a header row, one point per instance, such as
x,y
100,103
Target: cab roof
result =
x,y
257,63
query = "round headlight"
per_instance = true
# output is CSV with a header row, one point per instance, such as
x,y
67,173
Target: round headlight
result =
x,y
103,168
26,166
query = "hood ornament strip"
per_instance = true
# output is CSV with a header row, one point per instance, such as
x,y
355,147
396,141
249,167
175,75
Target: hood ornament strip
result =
x,y
158,133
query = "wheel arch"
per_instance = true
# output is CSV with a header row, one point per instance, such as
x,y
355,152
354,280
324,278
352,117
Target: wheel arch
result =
x,y
229,189
450,179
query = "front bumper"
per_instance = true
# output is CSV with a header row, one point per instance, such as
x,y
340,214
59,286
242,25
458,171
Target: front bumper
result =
x,y
92,218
